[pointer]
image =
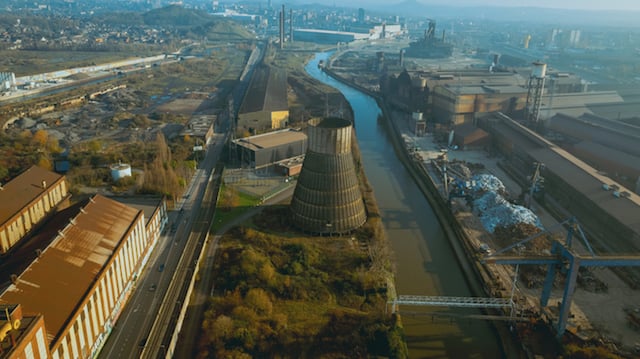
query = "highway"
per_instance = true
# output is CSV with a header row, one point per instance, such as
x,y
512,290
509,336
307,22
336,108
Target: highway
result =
x,y
167,268
148,334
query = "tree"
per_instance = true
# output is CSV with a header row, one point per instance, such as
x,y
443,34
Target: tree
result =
x,y
40,138
259,301
45,163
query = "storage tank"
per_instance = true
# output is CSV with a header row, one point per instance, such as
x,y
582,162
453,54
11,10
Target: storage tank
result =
x,y
327,198
120,170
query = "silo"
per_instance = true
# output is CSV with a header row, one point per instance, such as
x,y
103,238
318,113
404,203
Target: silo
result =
x,y
327,198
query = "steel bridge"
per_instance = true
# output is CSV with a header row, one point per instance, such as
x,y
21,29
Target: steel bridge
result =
x,y
461,302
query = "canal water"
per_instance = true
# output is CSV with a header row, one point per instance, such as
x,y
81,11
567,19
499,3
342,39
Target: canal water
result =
x,y
425,262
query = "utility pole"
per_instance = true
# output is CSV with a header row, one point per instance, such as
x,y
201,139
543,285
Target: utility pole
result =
x,y
444,175
536,179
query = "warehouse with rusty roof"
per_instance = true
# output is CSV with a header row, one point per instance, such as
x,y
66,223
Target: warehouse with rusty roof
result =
x,y
81,280
26,200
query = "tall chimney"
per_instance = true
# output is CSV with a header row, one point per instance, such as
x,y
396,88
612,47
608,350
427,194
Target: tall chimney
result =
x,y
282,28
291,25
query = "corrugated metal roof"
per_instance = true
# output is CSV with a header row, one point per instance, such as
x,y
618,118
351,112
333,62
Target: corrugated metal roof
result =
x,y
621,138
23,189
576,104
57,282
486,89
271,139
267,91
610,154
584,178
589,182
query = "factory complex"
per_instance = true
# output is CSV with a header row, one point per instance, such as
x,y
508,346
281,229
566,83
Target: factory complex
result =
x,y
73,267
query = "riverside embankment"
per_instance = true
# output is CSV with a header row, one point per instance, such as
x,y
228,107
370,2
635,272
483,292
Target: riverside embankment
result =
x,y
427,262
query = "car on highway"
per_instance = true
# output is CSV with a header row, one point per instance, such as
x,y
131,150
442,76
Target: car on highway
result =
x,y
161,267
153,287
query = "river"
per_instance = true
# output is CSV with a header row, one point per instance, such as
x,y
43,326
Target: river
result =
x,y
425,262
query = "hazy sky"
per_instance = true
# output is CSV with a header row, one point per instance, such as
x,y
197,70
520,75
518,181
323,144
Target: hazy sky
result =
x,y
563,4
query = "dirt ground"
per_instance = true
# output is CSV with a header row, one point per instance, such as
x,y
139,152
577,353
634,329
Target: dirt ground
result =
x,y
182,106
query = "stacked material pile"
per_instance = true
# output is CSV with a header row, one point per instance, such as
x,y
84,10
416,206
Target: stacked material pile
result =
x,y
494,210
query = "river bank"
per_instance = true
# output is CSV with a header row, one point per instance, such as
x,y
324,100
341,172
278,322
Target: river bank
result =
x,y
426,262
475,273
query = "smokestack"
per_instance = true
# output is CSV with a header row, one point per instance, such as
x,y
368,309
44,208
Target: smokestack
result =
x,y
282,28
291,25
401,58
443,32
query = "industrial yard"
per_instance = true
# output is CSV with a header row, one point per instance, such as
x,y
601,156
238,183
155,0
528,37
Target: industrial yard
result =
x,y
603,305
492,185
604,309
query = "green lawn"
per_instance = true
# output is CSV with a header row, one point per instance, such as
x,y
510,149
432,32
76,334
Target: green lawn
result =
x,y
222,216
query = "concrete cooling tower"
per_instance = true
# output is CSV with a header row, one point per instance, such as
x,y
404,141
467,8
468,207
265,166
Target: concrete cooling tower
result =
x,y
327,198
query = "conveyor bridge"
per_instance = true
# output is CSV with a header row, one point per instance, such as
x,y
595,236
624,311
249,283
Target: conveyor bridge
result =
x,y
461,302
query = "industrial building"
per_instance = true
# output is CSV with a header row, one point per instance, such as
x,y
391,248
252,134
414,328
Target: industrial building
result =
x,y
382,31
576,104
200,128
7,81
265,106
452,97
22,335
239,17
456,105
328,36
267,149
457,97
72,293
600,203
609,146
327,198
26,200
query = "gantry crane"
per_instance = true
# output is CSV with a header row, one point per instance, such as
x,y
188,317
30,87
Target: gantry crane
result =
x,y
562,257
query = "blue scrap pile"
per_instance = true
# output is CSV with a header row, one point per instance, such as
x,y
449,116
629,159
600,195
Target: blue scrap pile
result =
x,y
494,210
